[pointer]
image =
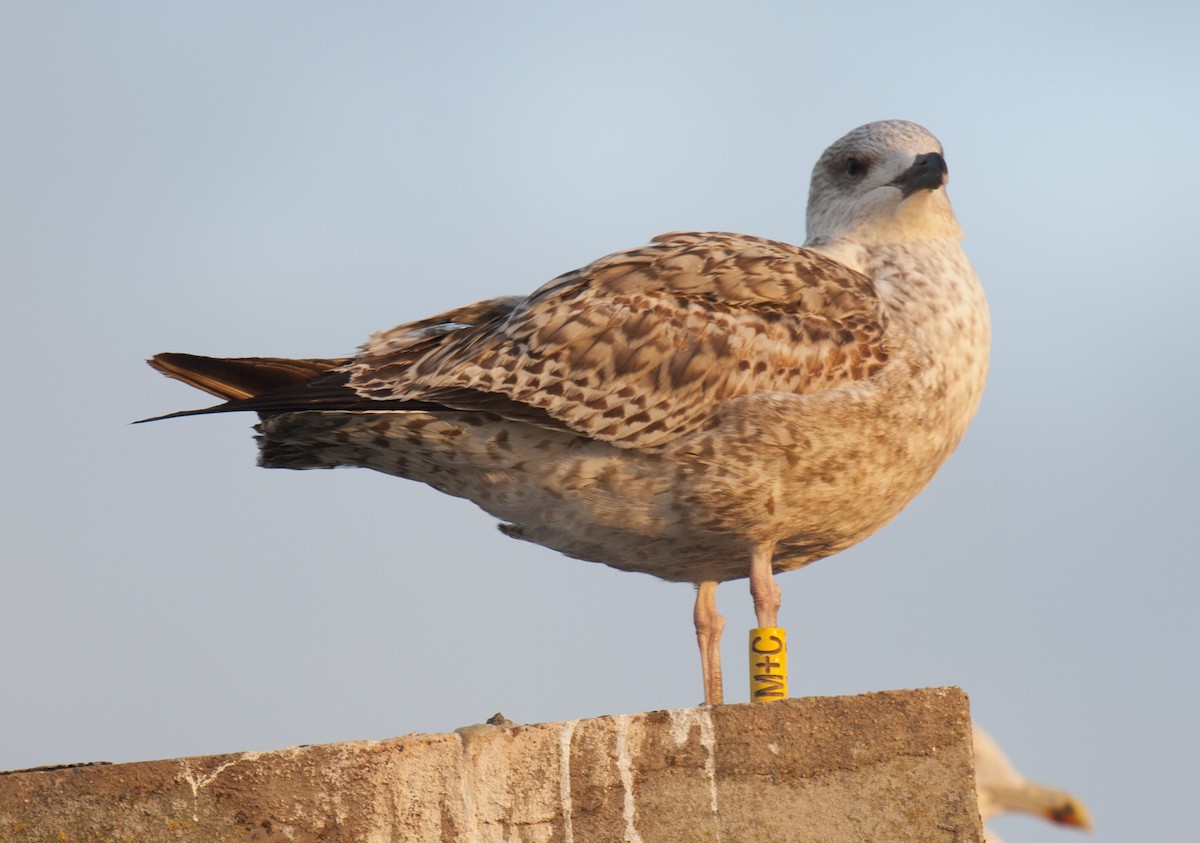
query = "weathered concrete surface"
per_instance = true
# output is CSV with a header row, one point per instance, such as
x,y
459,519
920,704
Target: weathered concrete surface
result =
x,y
891,766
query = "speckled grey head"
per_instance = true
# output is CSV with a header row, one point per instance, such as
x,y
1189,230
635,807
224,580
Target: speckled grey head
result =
x,y
882,182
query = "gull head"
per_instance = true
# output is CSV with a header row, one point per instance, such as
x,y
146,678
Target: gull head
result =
x,y
881,183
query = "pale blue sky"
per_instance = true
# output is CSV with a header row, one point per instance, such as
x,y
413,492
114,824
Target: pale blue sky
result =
x,y
234,178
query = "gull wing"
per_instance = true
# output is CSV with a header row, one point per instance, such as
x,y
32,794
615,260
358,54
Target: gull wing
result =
x,y
642,346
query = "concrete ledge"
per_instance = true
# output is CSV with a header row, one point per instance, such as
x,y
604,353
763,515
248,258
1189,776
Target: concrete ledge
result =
x,y
889,766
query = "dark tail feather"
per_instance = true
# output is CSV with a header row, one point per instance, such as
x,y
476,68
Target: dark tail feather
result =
x,y
271,385
236,378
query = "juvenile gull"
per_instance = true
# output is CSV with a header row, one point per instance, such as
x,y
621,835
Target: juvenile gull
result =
x,y
707,407
1002,789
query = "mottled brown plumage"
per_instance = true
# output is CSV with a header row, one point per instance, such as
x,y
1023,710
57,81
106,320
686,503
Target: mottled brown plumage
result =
x,y
707,407
622,350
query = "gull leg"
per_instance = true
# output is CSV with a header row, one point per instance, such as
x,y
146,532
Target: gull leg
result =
x,y
709,626
763,588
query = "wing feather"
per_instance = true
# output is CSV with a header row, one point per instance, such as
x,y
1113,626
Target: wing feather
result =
x,y
642,346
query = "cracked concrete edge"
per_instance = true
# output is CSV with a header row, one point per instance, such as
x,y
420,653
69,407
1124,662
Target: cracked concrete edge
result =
x,y
892,765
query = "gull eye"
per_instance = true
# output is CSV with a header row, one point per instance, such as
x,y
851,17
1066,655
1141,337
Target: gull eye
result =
x,y
855,167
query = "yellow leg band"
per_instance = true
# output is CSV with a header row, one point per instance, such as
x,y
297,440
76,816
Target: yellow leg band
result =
x,y
768,664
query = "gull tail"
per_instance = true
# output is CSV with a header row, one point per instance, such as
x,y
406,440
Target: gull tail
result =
x,y
239,379
234,378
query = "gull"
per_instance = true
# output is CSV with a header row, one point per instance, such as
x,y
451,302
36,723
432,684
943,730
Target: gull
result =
x,y
1002,789
707,407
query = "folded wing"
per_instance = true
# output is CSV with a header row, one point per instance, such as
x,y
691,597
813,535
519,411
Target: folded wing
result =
x,y
641,346
635,349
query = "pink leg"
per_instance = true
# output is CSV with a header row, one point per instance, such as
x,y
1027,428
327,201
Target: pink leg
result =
x,y
709,626
763,588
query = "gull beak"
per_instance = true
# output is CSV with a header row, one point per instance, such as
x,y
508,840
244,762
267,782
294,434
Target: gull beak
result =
x,y
928,172
1069,812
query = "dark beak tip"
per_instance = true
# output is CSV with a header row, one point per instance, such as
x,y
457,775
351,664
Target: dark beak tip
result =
x,y
945,170
928,172
932,160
